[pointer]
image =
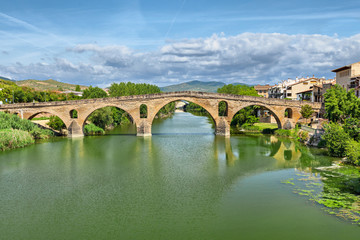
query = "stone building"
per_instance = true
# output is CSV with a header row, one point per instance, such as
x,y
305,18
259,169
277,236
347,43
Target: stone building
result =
x,y
348,77
263,90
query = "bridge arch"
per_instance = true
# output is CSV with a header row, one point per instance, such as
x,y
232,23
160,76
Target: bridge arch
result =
x,y
212,112
63,119
278,117
157,108
87,114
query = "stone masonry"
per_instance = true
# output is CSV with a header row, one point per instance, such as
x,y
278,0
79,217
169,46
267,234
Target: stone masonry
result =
x,y
154,102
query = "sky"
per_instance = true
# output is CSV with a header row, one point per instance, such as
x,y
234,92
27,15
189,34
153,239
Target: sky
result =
x,y
168,42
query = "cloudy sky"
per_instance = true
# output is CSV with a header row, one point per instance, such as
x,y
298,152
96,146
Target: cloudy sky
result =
x,y
165,42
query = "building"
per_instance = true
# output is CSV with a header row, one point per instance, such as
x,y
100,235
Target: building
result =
x,y
306,89
73,92
263,90
348,77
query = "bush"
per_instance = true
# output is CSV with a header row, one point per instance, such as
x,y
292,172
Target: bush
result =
x,y
352,151
11,121
283,133
13,138
91,129
336,139
303,136
250,127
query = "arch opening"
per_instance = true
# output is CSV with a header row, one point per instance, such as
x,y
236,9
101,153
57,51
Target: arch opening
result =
x,y
223,109
109,118
255,118
50,121
288,113
143,111
185,118
73,114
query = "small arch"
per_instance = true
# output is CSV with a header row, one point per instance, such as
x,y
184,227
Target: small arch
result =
x,y
288,113
143,111
223,109
73,114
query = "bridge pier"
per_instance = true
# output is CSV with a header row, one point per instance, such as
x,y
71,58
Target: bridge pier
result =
x,y
222,127
143,128
74,130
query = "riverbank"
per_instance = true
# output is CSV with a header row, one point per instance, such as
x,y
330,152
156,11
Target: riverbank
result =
x,y
17,133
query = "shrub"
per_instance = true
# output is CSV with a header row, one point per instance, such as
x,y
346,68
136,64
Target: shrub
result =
x,y
13,138
11,121
91,129
303,136
352,151
283,133
336,139
250,127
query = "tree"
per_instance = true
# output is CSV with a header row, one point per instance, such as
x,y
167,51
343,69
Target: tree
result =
x,y
102,117
336,139
306,111
340,104
94,92
77,88
56,123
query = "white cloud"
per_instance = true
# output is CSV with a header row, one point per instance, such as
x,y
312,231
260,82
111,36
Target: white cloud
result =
x,y
249,57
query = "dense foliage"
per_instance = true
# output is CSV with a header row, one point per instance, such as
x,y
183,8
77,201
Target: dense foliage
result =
x,y
91,129
239,90
340,104
56,123
94,92
11,121
127,89
13,93
16,132
342,134
13,138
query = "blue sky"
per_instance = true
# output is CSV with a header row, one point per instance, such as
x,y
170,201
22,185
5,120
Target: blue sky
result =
x,y
166,42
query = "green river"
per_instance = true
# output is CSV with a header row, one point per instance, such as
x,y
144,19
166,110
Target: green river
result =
x,y
181,183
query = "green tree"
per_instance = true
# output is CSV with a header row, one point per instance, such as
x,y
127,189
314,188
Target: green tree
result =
x,y
94,92
352,151
352,127
56,123
306,111
77,88
340,104
336,139
102,117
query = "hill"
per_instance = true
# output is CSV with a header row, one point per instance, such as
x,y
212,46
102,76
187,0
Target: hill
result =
x,y
46,85
196,86
6,79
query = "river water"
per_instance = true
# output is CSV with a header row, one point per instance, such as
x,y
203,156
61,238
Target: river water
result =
x,y
181,183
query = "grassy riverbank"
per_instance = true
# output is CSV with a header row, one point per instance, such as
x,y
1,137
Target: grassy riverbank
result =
x,y
16,132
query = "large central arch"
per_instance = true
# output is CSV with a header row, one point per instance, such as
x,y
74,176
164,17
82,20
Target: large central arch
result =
x,y
193,100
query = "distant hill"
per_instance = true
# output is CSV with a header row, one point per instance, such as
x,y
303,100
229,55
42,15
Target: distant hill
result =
x,y
198,86
194,86
7,79
48,85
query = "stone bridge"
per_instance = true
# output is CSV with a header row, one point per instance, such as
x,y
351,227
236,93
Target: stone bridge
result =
x,y
154,102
